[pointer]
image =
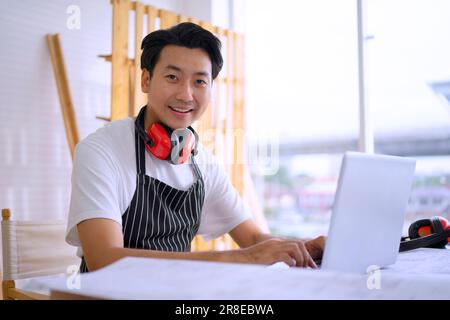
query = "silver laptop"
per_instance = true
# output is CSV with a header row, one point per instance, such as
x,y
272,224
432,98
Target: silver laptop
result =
x,y
368,213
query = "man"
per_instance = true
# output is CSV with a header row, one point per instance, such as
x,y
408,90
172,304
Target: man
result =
x,y
128,200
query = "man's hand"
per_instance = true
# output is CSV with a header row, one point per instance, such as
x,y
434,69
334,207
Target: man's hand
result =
x,y
292,252
259,247
315,247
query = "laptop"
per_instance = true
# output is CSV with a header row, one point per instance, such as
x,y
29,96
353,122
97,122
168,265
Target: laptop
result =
x,y
368,212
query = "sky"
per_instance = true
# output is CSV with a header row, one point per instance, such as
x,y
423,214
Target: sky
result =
x,y
301,61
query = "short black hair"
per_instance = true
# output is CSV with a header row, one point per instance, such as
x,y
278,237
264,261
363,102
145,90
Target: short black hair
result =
x,y
186,34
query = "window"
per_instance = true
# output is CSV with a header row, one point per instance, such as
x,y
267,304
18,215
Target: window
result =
x,y
408,72
302,86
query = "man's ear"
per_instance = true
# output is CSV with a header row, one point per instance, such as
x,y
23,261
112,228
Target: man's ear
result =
x,y
145,81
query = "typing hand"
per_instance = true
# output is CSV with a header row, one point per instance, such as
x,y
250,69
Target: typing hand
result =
x,y
291,252
315,247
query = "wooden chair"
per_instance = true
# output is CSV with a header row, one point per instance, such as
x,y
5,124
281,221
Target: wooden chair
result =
x,y
33,249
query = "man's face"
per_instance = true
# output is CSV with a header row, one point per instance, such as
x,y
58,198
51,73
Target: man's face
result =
x,y
180,89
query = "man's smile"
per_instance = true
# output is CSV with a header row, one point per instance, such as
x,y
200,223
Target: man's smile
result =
x,y
181,110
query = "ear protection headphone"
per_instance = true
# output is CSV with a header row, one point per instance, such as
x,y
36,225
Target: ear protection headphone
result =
x,y
430,233
165,143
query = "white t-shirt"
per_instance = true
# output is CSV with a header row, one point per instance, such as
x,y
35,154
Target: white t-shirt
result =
x,y
104,182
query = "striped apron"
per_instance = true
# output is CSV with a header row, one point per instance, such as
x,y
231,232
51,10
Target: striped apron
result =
x,y
159,216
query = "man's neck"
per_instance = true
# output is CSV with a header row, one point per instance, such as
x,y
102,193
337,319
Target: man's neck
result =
x,y
150,118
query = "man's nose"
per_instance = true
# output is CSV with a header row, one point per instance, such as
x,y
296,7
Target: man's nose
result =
x,y
185,92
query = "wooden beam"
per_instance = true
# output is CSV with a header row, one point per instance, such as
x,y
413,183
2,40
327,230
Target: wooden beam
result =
x,y
194,20
7,285
67,109
120,72
152,13
18,294
183,18
6,214
106,57
238,115
229,143
168,19
139,98
208,26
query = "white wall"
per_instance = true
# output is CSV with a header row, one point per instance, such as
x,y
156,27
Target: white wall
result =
x,y
229,14
35,161
199,9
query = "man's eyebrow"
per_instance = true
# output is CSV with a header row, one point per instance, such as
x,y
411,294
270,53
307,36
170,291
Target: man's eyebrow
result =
x,y
199,73
171,66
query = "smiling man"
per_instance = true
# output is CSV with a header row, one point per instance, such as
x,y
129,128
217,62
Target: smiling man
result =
x,y
146,187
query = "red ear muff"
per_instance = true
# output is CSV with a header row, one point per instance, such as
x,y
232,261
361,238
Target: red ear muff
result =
x,y
183,144
425,227
420,228
161,144
431,233
445,227
164,143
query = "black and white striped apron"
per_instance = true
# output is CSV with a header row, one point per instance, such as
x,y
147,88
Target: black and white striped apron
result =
x,y
159,216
